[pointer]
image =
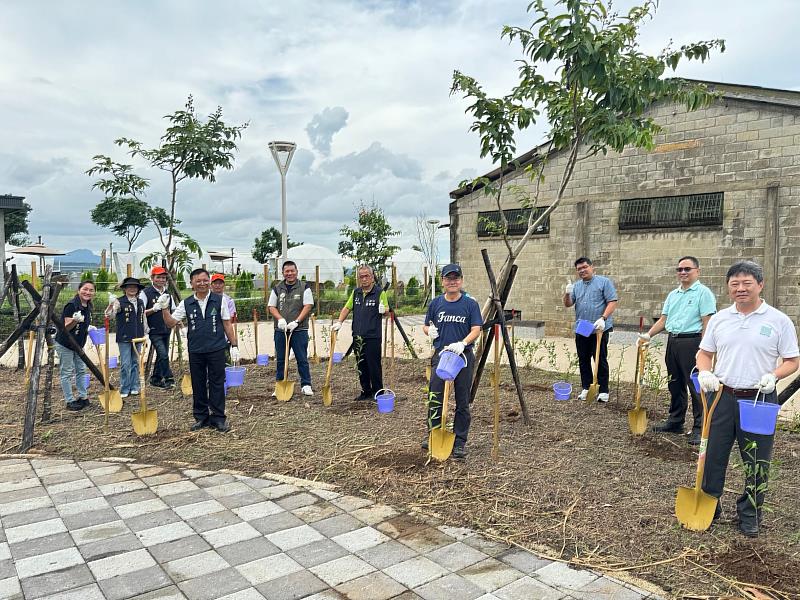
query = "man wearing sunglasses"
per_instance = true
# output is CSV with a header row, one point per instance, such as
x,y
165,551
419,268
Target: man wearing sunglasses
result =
x,y
684,316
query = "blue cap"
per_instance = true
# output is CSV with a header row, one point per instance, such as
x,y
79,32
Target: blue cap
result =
x,y
451,268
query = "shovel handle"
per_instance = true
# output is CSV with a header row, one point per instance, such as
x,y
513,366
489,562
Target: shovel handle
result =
x,y
288,335
447,385
330,358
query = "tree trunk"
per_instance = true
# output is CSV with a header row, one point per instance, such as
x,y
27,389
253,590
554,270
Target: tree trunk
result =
x,y
17,316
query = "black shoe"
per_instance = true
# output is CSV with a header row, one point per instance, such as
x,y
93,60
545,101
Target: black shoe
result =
x,y
717,512
223,427
84,402
459,452
694,438
159,383
424,444
749,528
75,405
169,384
362,396
198,425
667,427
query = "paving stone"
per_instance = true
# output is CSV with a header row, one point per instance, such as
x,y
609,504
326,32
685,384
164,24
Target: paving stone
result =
x,y
527,588
603,588
115,477
426,540
86,592
166,593
30,516
154,519
228,489
337,571
489,547
231,534
75,496
248,550
400,526
131,497
316,512
333,526
386,554
214,585
13,483
456,556
99,532
292,586
245,594
213,521
316,553
41,545
135,582
449,587
374,586
164,533
562,576
70,486
325,494
48,562
415,571
197,473
145,472
350,503
198,509
144,507
82,506
56,468
257,510
279,491
24,505
90,517
523,561
10,589
196,565
295,537
161,479
326,595
110,489
110,547
268,568
360,539
179,487
73,475
7,569
296,500
53,582
234,501
490,574
180,548
215,480
24,494
377,513
5,551
458,533
277,522
120,564
258,484
192,497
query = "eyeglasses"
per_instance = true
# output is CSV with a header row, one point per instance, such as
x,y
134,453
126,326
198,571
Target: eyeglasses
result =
x,y
684,269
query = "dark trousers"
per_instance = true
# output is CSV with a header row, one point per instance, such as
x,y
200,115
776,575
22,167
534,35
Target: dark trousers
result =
x,y
725,429
680,359
461,384
586,348
208,380
161,371
299,345
368,364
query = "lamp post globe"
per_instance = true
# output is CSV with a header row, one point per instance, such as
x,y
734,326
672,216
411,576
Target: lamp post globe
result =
x,y
282,153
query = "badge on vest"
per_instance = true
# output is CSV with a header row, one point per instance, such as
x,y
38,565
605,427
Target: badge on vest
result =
x,y
766,330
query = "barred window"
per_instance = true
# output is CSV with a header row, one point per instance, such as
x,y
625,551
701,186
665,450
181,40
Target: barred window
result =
x,y
491,225
695,210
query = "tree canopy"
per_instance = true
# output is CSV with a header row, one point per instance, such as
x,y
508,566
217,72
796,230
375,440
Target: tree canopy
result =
x,y
269,244
368,242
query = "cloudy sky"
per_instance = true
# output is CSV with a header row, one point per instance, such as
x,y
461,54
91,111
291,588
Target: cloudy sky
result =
x,y
362,87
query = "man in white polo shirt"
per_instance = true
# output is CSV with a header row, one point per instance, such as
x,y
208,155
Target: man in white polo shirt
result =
x,y
747,338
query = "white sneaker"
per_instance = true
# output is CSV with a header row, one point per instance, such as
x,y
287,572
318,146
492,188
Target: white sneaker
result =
x,y
583,394
307,391
135,393
602,397
274,394
124,395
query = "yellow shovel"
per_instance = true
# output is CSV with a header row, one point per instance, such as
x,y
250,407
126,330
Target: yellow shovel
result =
x,y
693,507
595,387
29,361
637,417
441,441
314,356
186,380
285,389
145,422
110,399
327,397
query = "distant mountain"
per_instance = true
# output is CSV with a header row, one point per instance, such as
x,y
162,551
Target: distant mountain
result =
x,y
82,256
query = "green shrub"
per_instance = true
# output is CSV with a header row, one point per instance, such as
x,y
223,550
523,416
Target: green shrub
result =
x,y
412,288
244,283
87,275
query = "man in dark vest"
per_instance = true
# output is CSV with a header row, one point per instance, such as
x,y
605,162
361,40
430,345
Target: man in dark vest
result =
x,y
368,303
159,333
290,304
209,321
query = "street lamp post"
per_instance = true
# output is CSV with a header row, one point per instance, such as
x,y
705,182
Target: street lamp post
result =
x,y
282,152
433,223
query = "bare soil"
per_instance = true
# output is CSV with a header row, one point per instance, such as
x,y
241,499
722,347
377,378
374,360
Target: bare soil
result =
x,y
574,484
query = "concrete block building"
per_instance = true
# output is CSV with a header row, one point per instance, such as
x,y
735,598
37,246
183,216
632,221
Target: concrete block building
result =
x,y
722,184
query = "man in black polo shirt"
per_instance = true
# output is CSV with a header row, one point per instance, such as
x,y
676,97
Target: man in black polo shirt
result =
x,y
368,303
209,321
159,333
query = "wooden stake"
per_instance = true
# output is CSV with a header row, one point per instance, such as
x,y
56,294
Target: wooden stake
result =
x,y
496,430
17,315
316,282
129,270
34,277
391,369
255,328
266,284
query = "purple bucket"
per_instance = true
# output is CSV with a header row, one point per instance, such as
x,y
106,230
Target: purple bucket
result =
x,y
450,365
98,336
758,417
262,360
337,357
695,381
584,328
562,390
113,362
234,376
385,400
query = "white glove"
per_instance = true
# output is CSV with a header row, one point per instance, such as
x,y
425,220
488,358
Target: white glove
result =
x,y
708,381
92,328
282,324
381,308
433,333
456,347
163,301
336,326
77,317
600,324
767,383
292,326
235,355
644,338
568,289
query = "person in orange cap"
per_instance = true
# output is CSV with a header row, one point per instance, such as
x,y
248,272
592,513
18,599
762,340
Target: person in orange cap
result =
x,y
159,333
218,287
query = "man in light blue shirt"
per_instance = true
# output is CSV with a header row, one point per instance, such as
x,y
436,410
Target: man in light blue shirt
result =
x,y
685,315
595,299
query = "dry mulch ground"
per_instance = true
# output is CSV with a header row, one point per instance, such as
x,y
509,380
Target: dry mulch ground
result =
x,y
574,484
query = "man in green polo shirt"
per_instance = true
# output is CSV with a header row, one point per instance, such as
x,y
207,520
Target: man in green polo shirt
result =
x,y
685,315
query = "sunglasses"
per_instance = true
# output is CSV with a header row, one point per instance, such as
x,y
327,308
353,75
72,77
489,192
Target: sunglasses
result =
x,y
684,269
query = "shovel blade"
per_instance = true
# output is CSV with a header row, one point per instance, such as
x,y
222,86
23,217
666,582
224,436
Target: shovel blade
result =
x,y
111,401
186,385
327,397
145,422
637,421
441,443
284,390
694,508
594,389
428,373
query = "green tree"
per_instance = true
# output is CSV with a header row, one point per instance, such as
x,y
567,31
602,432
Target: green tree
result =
x,y
16,226
596,101
368,243
269,244
191,148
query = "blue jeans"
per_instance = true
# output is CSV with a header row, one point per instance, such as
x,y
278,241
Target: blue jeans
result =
x,y
128,367
299,344
161,370
70,366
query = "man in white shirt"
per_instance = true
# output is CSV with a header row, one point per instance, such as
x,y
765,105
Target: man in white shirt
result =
x,y
747,338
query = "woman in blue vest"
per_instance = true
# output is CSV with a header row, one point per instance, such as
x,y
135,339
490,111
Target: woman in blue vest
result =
x,y
77,316
129,309
159,333
209,322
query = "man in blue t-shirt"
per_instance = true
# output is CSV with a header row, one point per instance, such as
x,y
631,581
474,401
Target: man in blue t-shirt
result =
x,y
453,322
594,298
